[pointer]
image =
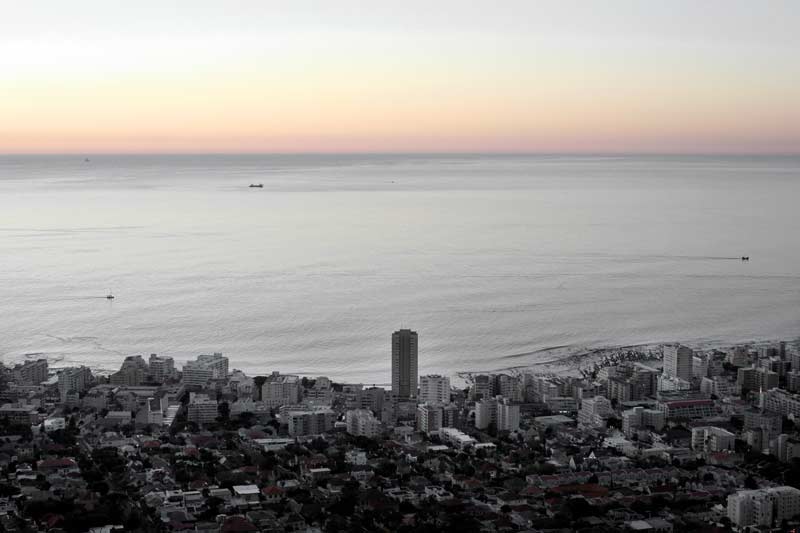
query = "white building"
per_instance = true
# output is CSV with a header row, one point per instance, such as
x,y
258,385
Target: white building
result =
x,y
281,390
712,439
717,386
763,507
456,438
497,410
362,422
73,379
429,417
594,411
678,361
217,363
670,383
639,417
434,389
312,421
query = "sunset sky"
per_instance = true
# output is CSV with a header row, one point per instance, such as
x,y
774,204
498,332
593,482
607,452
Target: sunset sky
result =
x,y
717,76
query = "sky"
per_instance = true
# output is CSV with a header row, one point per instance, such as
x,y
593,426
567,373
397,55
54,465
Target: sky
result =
x,y
639,76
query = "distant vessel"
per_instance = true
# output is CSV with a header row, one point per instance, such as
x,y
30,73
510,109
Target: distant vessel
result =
x,y
86,160
745,258
257,185
109,296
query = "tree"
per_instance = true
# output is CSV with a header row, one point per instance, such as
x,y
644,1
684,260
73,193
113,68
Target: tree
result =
x,y
224,411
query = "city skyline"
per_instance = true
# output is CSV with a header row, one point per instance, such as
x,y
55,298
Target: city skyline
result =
x,y
533,77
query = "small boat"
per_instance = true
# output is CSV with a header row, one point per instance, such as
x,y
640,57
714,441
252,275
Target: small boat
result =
x,y
745,258
109,296
256,185
86,160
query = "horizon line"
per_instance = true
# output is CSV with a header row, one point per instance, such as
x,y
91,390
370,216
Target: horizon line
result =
x,y
406,152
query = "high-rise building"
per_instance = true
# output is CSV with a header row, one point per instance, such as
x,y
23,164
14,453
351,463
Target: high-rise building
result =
x,y
73,380
404,363
678,361
497,410
508,387
429,417
482,387
31,372
161,368
594,411
434,389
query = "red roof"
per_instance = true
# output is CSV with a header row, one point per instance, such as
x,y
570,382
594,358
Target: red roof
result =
x,y
272,490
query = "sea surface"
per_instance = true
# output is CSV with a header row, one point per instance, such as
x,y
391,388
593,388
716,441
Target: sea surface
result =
x,y
492,259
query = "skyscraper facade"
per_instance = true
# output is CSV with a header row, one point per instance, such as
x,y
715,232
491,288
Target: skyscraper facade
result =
x,y
404,363
678,362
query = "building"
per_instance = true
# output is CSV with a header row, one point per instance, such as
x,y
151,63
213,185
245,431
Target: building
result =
x,y
311,421
196,374
763,507
482,387
404,363
712,439
756,379
670,383
451,416
699,366
781,402
561,404
594,411
498,411
73,380
31,372
770,424
429,417
133,372
456,438
217,363
434,389
738,357
639,418
678,361
201,409
372,398
281,389
785,448
793,381
19,414
362,422
162,369
508,387
686,408
717,386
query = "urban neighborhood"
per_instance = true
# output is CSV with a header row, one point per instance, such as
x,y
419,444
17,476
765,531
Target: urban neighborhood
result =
x,y
688,440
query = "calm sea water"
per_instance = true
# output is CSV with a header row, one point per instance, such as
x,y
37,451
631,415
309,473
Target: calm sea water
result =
x,y
489,258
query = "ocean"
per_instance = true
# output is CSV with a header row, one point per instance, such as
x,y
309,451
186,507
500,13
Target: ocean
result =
x,y
492,259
